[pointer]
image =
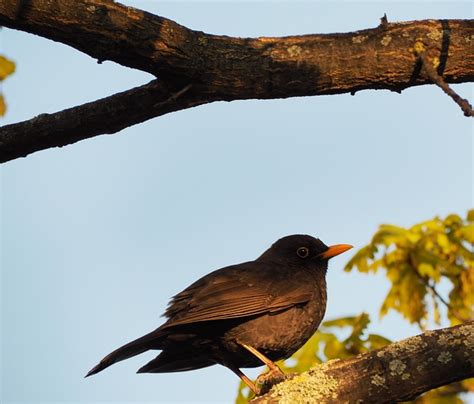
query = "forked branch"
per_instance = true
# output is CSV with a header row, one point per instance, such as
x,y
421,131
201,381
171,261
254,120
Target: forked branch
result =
x,y
221,67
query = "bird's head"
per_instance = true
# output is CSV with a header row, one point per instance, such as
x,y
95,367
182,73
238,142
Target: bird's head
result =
x,y
303,250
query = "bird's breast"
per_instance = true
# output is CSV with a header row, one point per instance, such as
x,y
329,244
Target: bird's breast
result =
x,y
276,335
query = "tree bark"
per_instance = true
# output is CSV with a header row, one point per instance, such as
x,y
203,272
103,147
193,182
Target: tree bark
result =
x,y
238,68
228,68
398,372
194,68
107,115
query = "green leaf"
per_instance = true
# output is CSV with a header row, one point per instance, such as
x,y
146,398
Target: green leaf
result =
x,y
438,250
389,234
412,293
428,270
361,259
360,324
307,356
335,349
376,341
443,242
340,322
436,313
468,384
452,220
470,215
391,300
467,233
3,105
244,394
7,67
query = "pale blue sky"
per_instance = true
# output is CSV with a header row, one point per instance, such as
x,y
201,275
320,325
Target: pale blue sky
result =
x,y
97,236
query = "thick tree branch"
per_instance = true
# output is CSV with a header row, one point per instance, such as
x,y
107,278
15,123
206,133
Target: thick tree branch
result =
x,y
399,372
221,67
107,115
238,68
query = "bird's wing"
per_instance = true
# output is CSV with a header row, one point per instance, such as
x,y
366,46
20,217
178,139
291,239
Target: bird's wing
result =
x,y
239,291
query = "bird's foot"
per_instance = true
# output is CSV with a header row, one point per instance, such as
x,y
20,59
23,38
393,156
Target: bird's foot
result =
x,y
268,379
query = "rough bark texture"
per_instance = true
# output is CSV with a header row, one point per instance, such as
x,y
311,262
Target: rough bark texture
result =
x,y
225,68
237,68
194,68
398,372
221,67
107,115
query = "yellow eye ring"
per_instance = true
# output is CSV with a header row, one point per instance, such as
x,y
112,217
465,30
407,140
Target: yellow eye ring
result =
x,y
302,252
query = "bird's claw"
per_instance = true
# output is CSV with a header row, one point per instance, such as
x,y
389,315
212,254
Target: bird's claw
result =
x,y
268,379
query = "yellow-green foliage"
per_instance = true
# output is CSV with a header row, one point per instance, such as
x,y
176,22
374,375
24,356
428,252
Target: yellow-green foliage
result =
x,y
416,260
419,258
7,67
449,394
328,344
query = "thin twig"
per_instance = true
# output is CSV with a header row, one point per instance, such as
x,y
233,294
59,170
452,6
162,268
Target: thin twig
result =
x,y
439,81
455,313
173,97
441,298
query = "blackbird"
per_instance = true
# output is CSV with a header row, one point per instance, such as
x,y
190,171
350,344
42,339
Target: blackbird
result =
x,y
243,315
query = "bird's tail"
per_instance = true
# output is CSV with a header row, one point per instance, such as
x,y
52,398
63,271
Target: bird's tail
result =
x,y
136,347
177,361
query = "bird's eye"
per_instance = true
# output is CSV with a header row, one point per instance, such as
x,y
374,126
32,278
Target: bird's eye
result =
x,y
302,252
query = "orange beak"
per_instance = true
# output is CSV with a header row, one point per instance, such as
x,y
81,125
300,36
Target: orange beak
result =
x,y
335,250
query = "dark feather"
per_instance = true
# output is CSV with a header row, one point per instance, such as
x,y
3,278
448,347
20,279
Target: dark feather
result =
x,y
175,361
243,290
126,351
